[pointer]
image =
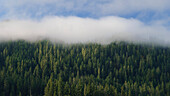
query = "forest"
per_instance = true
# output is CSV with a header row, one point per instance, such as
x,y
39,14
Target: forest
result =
x,y
44,68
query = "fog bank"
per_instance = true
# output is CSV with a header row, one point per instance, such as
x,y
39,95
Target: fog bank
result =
x,y
83,30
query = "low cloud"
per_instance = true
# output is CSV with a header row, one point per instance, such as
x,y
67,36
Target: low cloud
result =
x,y
83,30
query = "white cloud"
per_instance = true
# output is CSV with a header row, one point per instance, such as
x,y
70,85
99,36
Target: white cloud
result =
x,y
73,7
75,29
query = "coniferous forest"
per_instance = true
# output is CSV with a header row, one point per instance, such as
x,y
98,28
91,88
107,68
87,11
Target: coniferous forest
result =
x,y
117,69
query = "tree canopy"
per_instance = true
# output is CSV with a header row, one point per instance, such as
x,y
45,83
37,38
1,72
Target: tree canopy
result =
x,y
118,69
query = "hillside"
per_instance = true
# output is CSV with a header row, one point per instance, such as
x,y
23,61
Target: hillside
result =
x,y
118,69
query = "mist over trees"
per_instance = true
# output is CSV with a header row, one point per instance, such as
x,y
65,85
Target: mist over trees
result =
x,y
118,69
73,29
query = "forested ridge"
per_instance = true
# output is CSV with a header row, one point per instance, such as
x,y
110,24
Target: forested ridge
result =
x,y
117,69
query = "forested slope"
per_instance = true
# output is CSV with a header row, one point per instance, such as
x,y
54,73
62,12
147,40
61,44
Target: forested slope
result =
x,y
119,69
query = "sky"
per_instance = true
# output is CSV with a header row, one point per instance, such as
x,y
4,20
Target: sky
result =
x,y
75,21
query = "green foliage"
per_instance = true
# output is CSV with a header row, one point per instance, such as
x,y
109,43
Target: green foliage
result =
x,y
117,69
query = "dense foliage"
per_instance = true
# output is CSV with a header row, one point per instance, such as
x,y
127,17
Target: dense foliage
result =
x,y
117,69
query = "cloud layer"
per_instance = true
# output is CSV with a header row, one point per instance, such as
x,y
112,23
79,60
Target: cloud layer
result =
x,y
80,30
85,8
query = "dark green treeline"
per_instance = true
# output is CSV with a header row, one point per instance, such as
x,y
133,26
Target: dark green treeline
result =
x,y
117,69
